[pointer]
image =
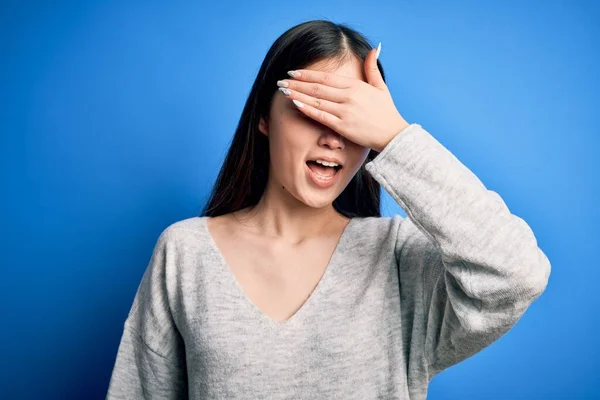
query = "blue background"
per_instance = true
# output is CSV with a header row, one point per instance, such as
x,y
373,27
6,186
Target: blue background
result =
x,y
116,117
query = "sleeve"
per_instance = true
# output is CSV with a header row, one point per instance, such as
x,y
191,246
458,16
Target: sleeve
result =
x,y
477,267
150,362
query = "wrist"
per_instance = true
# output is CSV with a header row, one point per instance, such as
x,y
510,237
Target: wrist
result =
x,y
401,126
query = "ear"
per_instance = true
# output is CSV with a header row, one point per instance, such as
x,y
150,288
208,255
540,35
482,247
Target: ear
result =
x,y
263,126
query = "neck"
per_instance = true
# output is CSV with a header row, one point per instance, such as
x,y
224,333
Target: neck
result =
x,y
280,215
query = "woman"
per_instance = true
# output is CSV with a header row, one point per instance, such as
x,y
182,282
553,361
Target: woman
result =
x,y
291,285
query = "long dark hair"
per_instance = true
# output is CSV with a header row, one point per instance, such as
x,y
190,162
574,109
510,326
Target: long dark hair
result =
x,y
243,176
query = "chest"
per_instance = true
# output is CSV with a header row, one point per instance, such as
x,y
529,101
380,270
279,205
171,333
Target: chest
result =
x,y
346,330
274,277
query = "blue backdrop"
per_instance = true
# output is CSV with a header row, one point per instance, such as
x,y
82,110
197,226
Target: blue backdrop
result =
x,y
116,117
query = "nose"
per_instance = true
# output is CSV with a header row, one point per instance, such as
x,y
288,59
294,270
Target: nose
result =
x,y
332,139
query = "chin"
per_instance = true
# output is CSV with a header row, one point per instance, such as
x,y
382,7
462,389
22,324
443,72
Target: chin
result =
x,y
321,204
318,200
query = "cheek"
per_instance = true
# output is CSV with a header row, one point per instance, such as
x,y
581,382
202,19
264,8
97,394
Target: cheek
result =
x,y
290,141
286,153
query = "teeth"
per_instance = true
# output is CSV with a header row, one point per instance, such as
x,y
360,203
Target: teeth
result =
x,y
327,164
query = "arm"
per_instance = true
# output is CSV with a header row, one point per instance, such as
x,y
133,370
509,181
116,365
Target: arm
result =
x,y
478,266
150,361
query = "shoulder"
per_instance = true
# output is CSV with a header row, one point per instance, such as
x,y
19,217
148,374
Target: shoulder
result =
x,y
184,246
375,234
395,232
189,230
377,227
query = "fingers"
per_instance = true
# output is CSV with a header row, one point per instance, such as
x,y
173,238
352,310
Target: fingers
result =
x,y
320,116
318,94
316,90
315,102
325,78
372,72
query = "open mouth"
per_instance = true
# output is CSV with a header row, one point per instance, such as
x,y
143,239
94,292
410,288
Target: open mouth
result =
x,y
323,170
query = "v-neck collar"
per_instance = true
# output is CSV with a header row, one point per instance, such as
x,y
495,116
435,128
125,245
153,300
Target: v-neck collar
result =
x,y
320,289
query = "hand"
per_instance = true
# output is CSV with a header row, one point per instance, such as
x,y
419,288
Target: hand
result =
x,y
361,112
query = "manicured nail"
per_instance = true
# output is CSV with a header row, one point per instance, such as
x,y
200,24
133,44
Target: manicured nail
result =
x,y
378,51
294,74
283,84
285,91
298,103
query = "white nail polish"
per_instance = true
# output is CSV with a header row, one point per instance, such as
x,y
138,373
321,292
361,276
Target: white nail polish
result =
x,y
378,51
298,103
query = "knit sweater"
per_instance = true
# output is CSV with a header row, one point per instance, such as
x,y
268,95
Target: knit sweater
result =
x,y
401,299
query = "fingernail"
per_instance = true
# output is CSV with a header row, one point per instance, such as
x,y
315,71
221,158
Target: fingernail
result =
x,y
298,103
378,51
294,74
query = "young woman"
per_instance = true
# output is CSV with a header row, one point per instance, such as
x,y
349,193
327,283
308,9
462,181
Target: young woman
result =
x,y
291,285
